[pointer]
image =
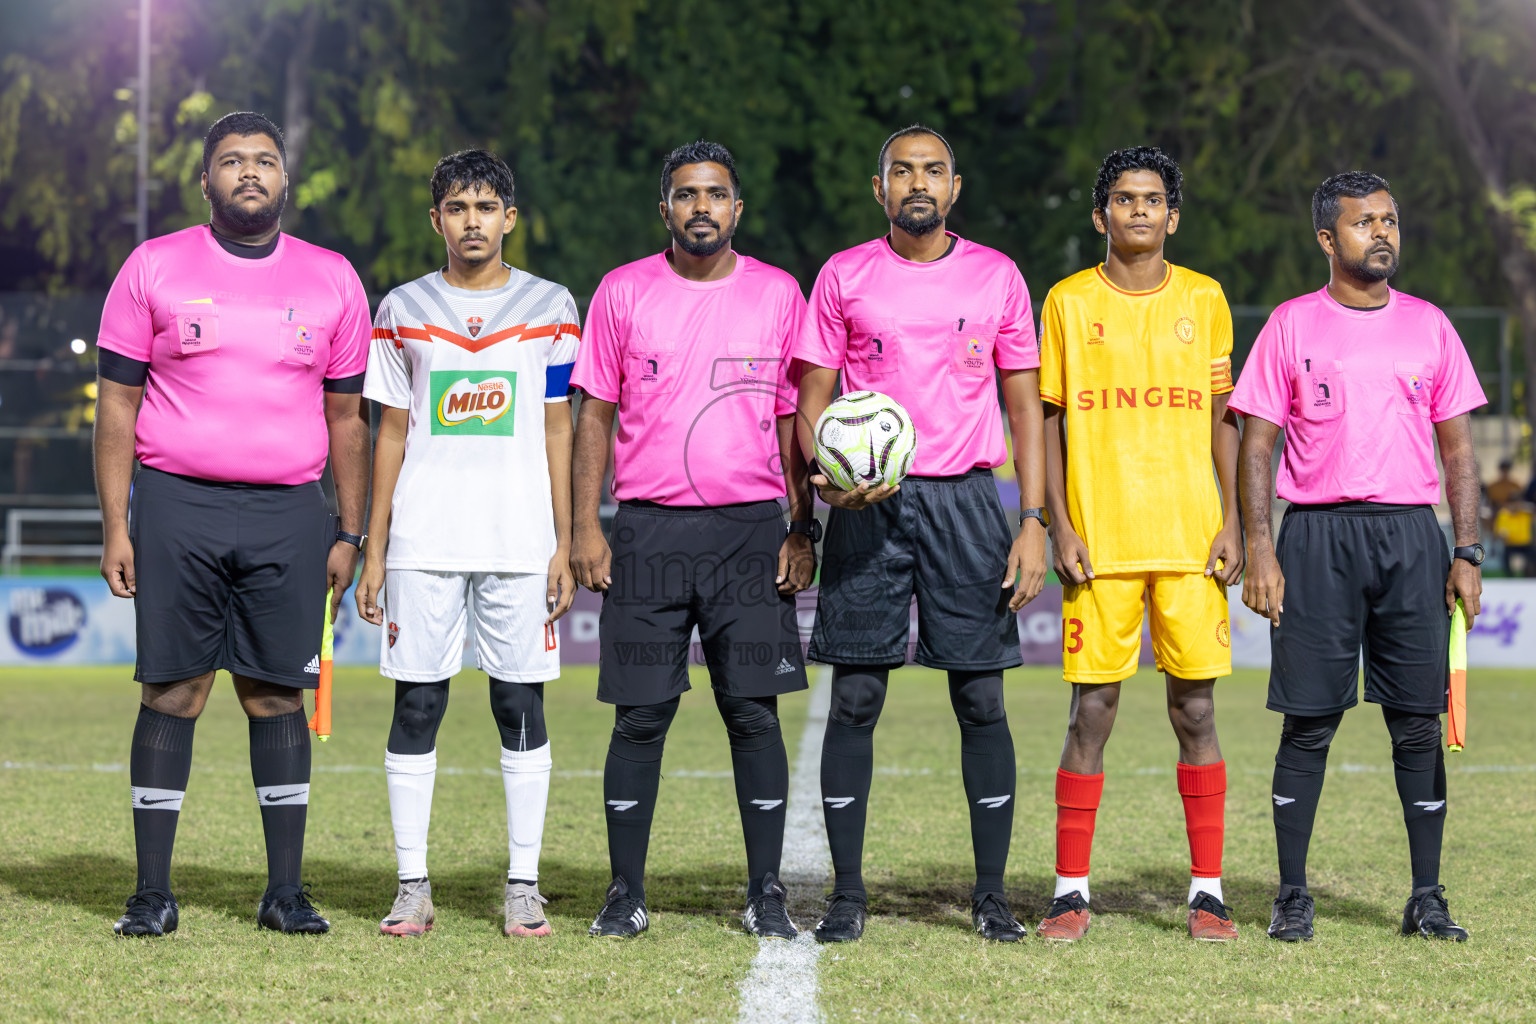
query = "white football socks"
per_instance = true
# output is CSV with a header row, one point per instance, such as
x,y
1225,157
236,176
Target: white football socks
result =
x,y
1199,885
410,778
1065,885
525,775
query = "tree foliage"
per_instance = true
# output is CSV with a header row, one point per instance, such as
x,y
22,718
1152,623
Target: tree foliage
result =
x,y
584,97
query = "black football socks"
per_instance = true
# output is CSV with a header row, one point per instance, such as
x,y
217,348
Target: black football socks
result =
x,y
631,778
761,769
847,763
1298,786
280,759
989,771
1418,762
159,764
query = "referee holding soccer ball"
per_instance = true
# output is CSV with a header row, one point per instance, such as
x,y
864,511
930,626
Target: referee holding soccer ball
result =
x,y
929,319
231,365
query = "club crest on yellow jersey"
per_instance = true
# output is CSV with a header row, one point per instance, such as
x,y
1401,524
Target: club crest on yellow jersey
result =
x,y
1184,330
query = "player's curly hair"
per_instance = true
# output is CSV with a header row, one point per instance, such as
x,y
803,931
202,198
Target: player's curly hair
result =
x,y
699,152
241,122
471,169
1355,184
909,130
1139,158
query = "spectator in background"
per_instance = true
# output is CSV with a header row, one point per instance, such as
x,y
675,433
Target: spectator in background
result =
x,y
1504,489
1513,512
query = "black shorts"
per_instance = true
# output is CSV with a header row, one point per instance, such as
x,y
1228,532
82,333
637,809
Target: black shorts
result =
x,y
1361,575
714,568
945,539
230,576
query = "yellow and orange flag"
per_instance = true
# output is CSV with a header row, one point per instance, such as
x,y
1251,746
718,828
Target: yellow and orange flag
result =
x,y
1456,720
321,721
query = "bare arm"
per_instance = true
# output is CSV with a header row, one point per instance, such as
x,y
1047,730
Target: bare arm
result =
x,y
590,554
797,555
557,449
1026,425
1072,562
817,385
1462,493
388,457
117,416
1227,547
1264,585
346,420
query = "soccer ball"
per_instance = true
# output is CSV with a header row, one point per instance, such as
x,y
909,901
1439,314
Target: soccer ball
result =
x,y
865,436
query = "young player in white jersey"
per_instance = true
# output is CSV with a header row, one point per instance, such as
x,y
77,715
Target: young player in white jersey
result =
x,y
471,518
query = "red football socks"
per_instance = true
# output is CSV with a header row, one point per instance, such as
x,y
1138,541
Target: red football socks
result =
x,y
1204,789
1077,803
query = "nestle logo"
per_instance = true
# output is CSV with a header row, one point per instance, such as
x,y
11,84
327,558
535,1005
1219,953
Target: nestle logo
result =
x,y
45,621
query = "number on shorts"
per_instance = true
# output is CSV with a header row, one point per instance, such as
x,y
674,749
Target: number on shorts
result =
x,y
1071,635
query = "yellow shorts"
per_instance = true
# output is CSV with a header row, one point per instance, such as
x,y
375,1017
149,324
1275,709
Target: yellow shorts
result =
x,y
1101,626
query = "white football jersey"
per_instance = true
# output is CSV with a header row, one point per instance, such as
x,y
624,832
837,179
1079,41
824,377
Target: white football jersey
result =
x,y
475,369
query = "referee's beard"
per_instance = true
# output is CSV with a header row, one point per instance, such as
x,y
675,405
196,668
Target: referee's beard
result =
x,y
237,219
1363,269
694,247
916,221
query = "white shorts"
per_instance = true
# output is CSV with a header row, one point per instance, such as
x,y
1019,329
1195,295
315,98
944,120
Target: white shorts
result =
x,y
427,613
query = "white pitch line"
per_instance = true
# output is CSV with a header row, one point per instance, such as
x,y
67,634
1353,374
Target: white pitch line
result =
x,y
688,773
780,987
351,769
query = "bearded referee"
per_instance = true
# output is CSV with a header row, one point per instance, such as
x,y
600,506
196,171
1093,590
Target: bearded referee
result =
x,y
929,319
231,365
690,347
1365,381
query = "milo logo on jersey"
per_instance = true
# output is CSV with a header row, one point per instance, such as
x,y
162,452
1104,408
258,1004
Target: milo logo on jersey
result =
x,y
473,401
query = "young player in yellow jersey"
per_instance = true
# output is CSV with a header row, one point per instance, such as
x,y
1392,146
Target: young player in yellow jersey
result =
x,y
1135,367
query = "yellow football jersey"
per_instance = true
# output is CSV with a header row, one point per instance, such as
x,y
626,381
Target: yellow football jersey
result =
x,y
1135,372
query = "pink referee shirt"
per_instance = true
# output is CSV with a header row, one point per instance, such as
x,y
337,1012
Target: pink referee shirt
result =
x,y
699,371
928,335
238,351
1358,394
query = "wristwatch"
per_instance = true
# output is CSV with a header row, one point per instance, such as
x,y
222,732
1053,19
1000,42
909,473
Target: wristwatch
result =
x,y
1032,513
355,539
807,526
1473,553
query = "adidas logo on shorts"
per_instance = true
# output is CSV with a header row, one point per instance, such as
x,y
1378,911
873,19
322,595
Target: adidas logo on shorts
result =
x,y
784,667
313,668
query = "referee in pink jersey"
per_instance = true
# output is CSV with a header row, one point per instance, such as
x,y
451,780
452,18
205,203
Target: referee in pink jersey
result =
x,y
1364,380
690,347
231,365
931,320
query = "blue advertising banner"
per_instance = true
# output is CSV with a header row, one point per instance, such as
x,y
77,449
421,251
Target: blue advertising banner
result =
x,y
75,620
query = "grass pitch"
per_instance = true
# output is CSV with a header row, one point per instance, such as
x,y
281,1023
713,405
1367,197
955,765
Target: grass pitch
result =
x,y
66,864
